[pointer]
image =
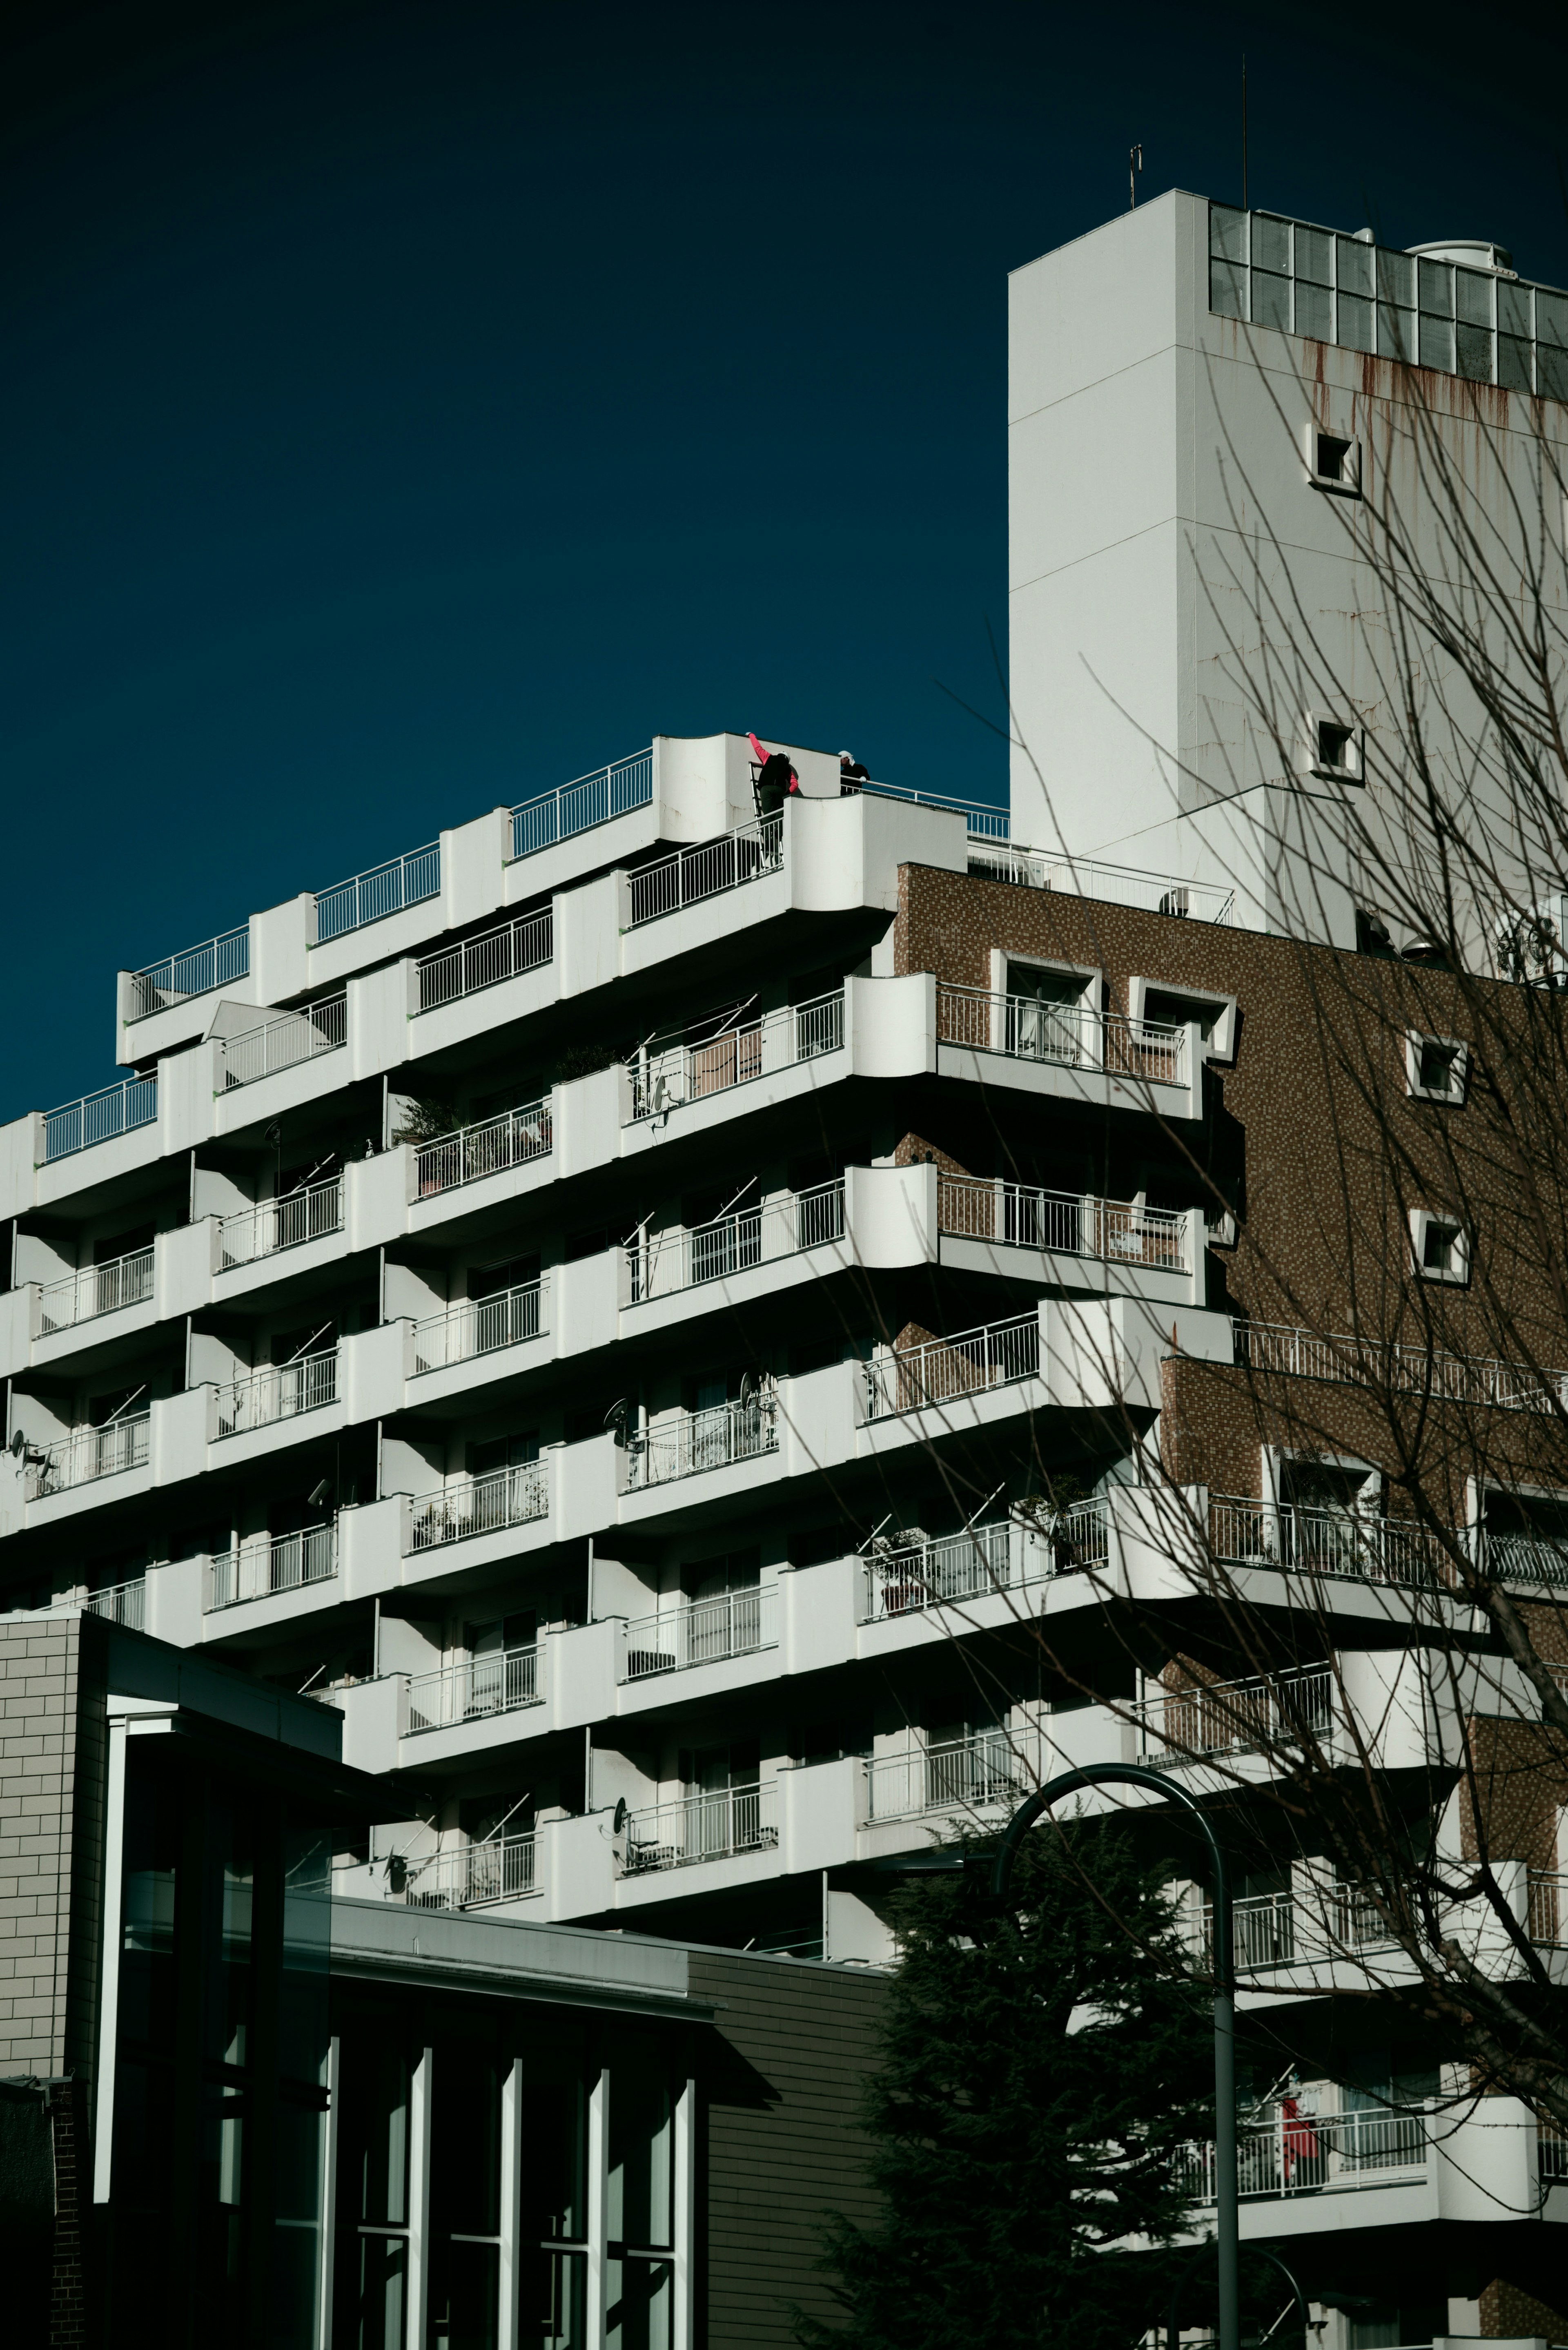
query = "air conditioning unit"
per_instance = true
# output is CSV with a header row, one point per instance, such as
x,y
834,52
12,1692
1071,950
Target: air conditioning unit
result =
x,y
1533,944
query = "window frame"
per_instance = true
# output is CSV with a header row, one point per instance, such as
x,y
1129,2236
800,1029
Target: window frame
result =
x,y
1355,770
1340,485
1422,1219
1453,1097
1221,1043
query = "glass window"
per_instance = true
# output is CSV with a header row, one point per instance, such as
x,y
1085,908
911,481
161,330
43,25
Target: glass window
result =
x,y
1353,261
1438,343
1551,370
1513,309
1438,1066
1474,353
1271,301
1331,460
1354,323
1271,242
1396,332
1551,317
1436,288
1513,367
555,2301
1472,297
1227,234
1396,278
1315,255
1228,289
1315,312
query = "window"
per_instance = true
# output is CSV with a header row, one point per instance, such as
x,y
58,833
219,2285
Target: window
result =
x,y
1441,1246
1333,464
1336,749
1435,1068
1171,1007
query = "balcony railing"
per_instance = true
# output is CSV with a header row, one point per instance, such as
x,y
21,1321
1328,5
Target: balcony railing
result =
x,y
268,1562
473,1153
716,1826
483,962
706,871
1070,1036
1244,1532
195,972
731,1626
407,880
309,1213
481,1325
714,1438
946,1369
1307,2153
963,1774
740,1052
1474,1379
98,1289
1549,1909
120,1602
690,1254
90,1453
904,1578
1065,1223
986,820
1276,1929
1551,2151
500,1683
1245,1717
278,1391
99,1118
608,791
499,1868
281,1043
481,1506
1114,885
1525,1558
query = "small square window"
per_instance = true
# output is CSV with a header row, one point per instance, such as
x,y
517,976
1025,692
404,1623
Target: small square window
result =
x,y
1336,461
1440,1247
1336,750
1436,1067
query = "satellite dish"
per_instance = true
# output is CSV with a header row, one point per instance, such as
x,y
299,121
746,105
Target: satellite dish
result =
x,y
748,1389
18,1445
321,1494
616,1416
620,1815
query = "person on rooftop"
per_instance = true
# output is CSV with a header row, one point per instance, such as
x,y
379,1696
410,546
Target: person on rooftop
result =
x,y
775,782
851,775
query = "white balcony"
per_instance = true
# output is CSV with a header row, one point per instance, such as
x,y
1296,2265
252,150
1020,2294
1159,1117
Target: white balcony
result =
x,y
473,1153
504,1682
1309,2153
738,1051
904,1579
90,1453
943,1369
697,1440
706,871
498,1869
1472,1379
592,800
1114,885
279,1391
1258,1716
689,1255
308,1213
526,944
1285,1929
718,1825
96,1289
482,1326
1062,1223
1071,1036
737,1624
406,880
993,1767
266,1564
1525,1558
480,1506
99,1118
283,1043
1243,1532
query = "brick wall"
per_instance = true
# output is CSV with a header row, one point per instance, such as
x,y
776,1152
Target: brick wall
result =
x,y
40,1666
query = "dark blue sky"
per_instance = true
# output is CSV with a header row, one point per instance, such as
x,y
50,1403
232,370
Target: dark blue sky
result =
x,y
407,407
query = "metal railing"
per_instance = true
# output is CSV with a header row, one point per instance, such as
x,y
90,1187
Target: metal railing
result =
x,y
99,1118
526,944
1243,1532
1307,2153
309,1213
96,1289
498,1683
942,1369
194,971
481,1506
120,1602
1070,1036
1276,1929
1475,1379
986,820
89,1453
1065,1223
368,896
689,1254
746,1049
496,1868
714,1825
1255,1716
902,1578
1113,885
1523,1558
963,1774
278,1391
480,1325
471,1152
707,871
714,1438
1550,2149
733,1624
1549,1909
269,1562
596,799
283,1043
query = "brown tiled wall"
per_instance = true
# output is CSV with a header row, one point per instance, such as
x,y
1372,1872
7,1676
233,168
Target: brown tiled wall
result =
x,y
39,1679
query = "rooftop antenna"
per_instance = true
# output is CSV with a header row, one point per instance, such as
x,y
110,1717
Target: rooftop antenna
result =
x,y
1244,204
1134,165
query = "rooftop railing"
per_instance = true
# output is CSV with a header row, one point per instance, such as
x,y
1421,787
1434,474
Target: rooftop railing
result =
x,y
309,1213
369,897
1114,885
1244,1717
90,1453
265,1564
281,1043
1065,1223
987,821
1072,1035
195,972
741,1050
278,1391
989,1768
707,871
481,1325
495,1868
703,1633
96,1289
502,1682
526,944
471,1152
481,1506
1307,2153
943,1369
99,1118
592,799
716,1826
1353,1361
690,1254
715,1438
1370,1549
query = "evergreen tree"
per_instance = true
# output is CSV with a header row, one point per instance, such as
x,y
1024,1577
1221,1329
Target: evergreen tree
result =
x,y
1035,2085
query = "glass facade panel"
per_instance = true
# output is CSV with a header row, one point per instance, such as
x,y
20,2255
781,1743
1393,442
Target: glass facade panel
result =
x,y
1513,310
1352,260
1514,368
1315,312
1228,289
1436,288
1271,300
1396,332
1396,277
1473,351
1551,317
1472,297
1270,243
465,2295
1438,343
1315,255
1551,367
1227,234
639,2305
1355,328
555,2301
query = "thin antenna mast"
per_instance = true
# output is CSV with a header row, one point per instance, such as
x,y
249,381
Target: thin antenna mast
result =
x,y
1244,204
1134,165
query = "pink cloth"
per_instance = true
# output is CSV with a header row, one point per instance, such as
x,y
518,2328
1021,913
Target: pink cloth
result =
x,y
762,758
